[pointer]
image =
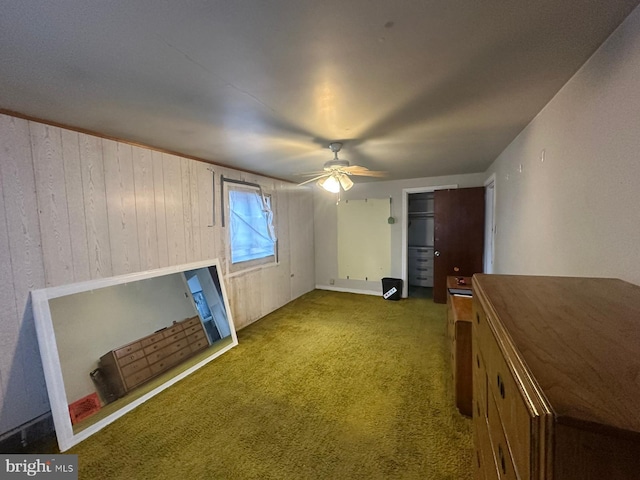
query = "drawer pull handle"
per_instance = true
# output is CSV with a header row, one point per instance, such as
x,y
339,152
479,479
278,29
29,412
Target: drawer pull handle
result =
x,y
503,464
501,386
478,360
477,318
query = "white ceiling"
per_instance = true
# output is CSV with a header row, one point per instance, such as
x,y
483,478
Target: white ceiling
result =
x,y
415,87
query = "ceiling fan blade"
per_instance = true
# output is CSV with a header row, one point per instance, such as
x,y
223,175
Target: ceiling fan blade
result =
x,y
311,174
363,171
314,179
371,173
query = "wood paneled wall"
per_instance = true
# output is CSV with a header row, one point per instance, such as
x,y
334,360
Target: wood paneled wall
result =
x,y
74,207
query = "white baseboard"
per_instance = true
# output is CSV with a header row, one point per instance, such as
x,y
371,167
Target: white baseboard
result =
x,y
349,290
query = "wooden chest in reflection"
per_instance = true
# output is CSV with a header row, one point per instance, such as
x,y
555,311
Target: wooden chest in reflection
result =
x,y
132,364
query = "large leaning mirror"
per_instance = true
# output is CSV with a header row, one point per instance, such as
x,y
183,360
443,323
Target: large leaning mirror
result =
x,y
110,344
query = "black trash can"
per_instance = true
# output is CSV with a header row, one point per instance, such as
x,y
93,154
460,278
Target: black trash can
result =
x,y
392,288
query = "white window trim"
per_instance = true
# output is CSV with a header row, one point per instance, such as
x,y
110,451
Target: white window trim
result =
x,y
239,268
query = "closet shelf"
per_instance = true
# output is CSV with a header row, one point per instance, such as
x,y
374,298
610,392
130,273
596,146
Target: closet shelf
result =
x,y
421,214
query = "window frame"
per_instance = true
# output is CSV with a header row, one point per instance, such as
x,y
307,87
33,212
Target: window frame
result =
x,y
240,266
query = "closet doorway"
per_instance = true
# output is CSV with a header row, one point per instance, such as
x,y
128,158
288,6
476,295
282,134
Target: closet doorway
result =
x,y
417,241
420,230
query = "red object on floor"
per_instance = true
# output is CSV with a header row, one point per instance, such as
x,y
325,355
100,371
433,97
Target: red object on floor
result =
x,y
83,408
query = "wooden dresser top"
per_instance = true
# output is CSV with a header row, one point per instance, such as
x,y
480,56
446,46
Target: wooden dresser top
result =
x,y
580,340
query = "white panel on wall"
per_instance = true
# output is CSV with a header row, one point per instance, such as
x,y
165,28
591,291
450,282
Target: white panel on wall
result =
x,y
302,266
75,205
95,206
121,206
159,203
145,208
185,180
176,244
191,209
25,381
48,165
246,297
283,202
10,371
364,239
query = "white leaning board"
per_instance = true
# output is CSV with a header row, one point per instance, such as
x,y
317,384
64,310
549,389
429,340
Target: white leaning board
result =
x,y
364,239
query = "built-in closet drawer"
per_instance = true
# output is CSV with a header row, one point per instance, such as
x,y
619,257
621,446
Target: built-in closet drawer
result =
x,y
420,266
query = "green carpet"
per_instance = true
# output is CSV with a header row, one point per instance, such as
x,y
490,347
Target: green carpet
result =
x,y
331,386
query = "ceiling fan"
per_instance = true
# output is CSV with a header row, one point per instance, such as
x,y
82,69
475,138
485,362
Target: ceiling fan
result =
x,y
336,172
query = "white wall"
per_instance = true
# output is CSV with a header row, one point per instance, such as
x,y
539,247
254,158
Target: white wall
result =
x,y
326,221
578,212
75,207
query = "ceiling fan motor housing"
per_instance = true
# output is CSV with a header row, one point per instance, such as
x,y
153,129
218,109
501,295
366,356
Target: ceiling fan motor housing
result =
x,y
335,164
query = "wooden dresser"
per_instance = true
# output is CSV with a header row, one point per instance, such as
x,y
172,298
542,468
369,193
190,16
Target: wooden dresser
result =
x,y
459,318
556,378
133,364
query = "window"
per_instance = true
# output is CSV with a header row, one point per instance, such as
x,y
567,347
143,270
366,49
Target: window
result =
x,y
251,232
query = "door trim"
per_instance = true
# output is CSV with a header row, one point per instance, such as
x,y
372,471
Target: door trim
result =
x,y
405,226
490,230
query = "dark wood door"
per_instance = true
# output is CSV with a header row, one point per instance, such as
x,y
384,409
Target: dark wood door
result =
x,y
459,236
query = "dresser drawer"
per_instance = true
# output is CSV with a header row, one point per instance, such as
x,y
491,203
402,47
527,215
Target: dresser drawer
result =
x,y
421,279
172,330
168,350
499,443
151,339
191,322
180,355
194,337
128,358
193,329
421,282
164,364
170,360
175,337
420,262
421,269
503,389
485,462
199,345
134,367
420,251
512,409
126,350
138,377
155,347
479,384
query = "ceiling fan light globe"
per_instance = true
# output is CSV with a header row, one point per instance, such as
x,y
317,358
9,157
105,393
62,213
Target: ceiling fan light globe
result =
x,y
346,182
330,184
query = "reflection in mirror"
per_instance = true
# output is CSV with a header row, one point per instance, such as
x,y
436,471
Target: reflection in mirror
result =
x,y
108,345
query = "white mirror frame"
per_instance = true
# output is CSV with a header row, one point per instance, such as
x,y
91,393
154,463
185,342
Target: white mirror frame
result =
x,y
51,359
